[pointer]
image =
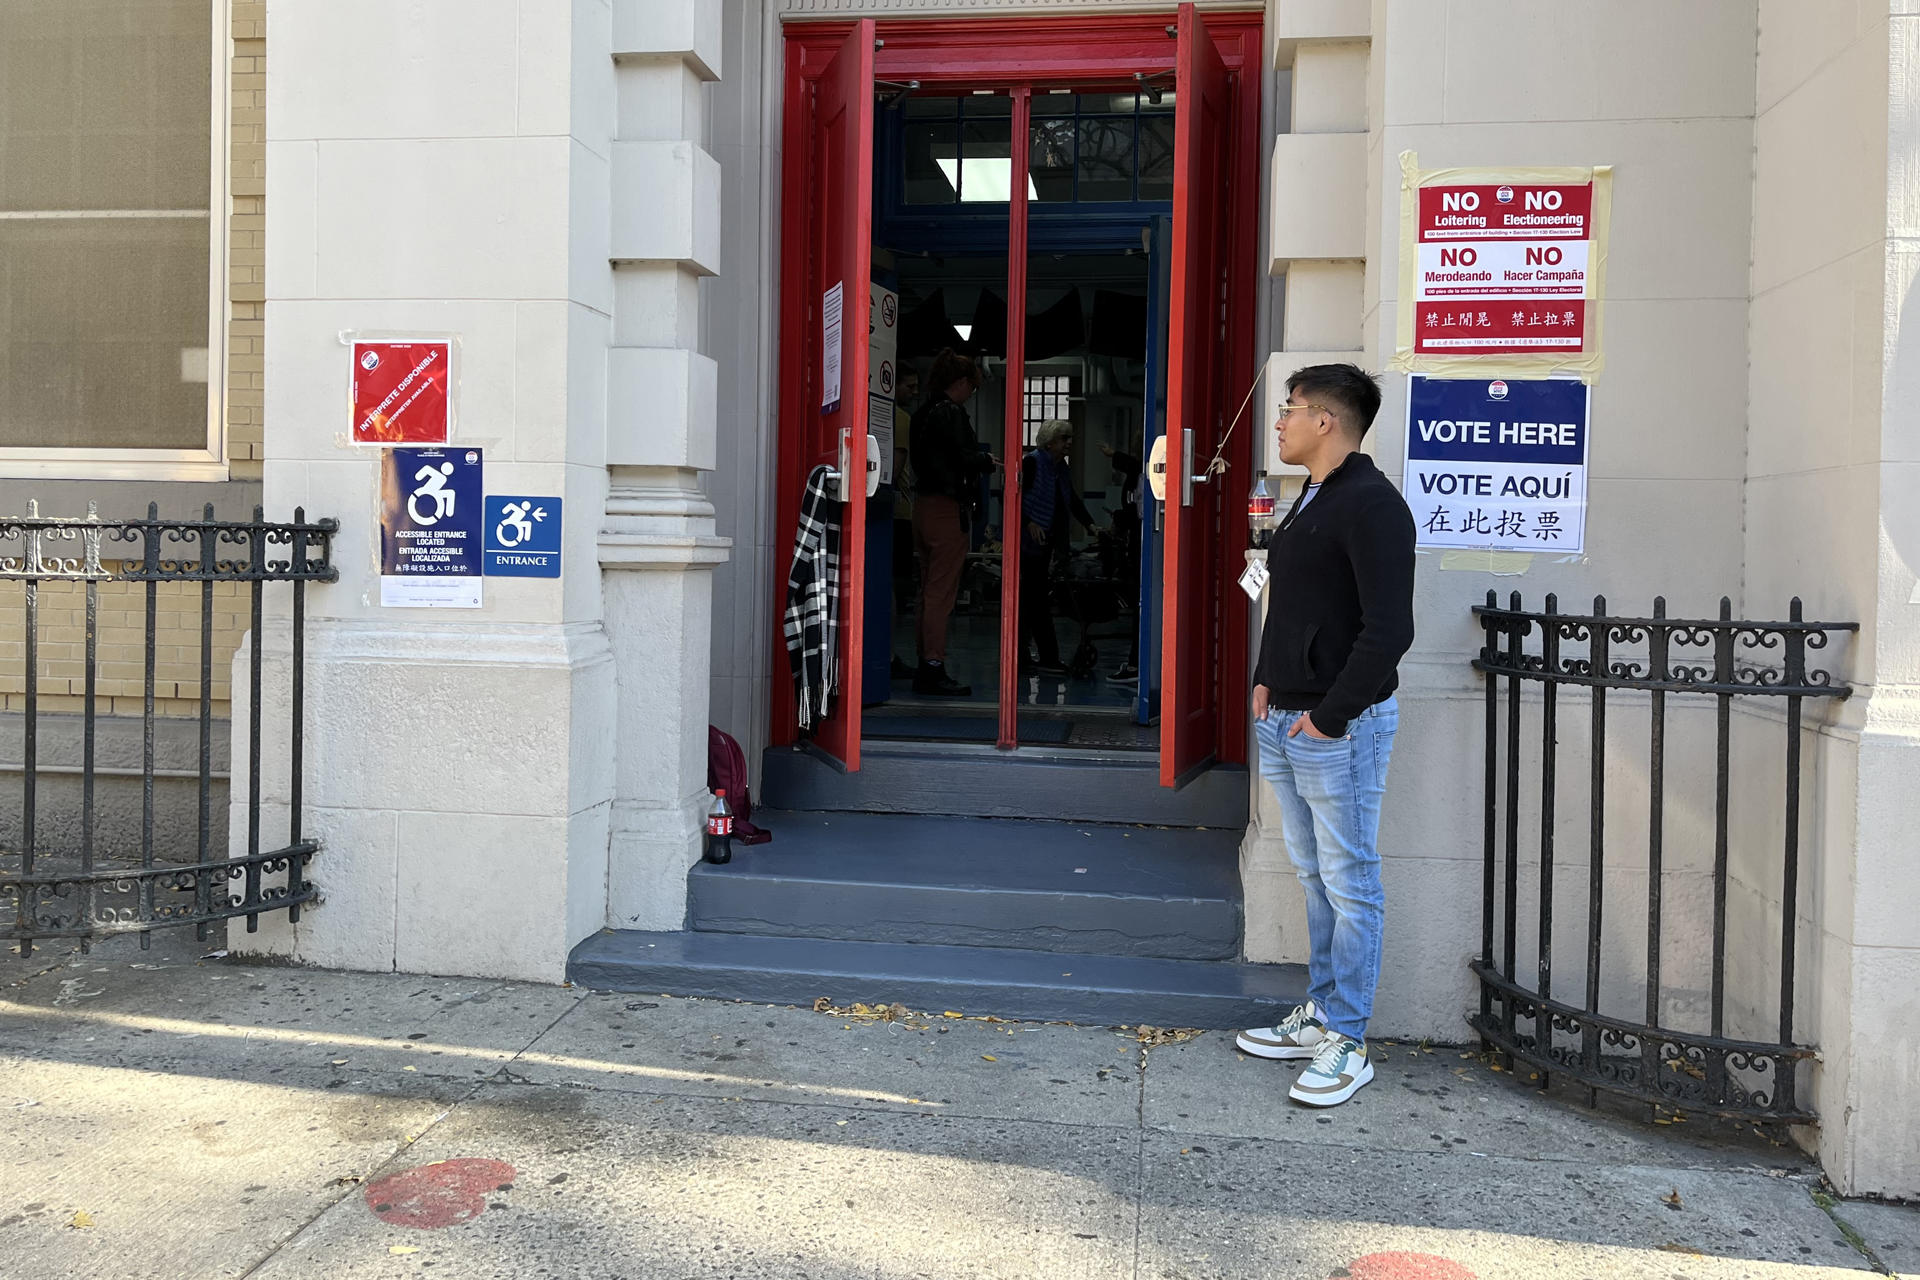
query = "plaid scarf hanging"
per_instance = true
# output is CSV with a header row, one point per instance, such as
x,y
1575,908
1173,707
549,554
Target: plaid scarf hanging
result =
x,y
813,601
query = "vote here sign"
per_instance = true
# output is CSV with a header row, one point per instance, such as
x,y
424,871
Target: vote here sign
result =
x,y
1502,270
1498,465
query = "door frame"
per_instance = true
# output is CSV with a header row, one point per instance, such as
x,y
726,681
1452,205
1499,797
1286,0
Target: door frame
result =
x,y
1037,51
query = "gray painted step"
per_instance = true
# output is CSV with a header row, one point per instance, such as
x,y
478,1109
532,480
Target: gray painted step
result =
x,y
982,882
979,781
1041,985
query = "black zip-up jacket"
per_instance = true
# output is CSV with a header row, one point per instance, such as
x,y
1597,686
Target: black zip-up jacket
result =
x,y
1340,604
947,458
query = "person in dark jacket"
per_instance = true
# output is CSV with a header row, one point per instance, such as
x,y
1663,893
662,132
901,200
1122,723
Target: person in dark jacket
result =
x,y
1339,619
1127,526
947,463
1047,498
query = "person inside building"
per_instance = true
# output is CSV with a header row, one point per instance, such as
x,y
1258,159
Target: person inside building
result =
x,y
947,464
1047,499
1325,715
1127,527
906,391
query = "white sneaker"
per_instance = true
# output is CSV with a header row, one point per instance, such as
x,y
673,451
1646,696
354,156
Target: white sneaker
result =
x,y
1295,1036
1336,1073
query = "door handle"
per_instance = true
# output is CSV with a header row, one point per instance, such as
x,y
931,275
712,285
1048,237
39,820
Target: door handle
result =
x,y
842,476
1187,478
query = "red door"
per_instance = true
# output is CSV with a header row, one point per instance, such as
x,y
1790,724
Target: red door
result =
x,y
1197,345
835,417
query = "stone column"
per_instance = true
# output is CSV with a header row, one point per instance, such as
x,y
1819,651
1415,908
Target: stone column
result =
x,y
1833,454
657,542
459,764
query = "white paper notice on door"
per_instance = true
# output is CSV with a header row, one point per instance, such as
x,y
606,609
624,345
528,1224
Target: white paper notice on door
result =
x,y
883,347
830,310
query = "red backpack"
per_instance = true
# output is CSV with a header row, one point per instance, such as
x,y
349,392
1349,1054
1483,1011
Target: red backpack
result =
x,y
727,768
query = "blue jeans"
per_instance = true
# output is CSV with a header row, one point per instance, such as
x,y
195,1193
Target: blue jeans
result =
x,y
1329,793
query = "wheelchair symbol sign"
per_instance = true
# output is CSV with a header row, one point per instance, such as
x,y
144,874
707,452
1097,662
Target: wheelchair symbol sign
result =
x,y
522,536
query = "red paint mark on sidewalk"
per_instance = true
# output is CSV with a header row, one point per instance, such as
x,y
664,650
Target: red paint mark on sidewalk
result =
x,y
1406,1266
442,1194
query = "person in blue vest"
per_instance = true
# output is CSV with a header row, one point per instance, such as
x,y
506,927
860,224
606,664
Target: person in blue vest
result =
x,y
1046,500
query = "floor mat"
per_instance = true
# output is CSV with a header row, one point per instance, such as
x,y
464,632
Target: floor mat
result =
x,y
927,728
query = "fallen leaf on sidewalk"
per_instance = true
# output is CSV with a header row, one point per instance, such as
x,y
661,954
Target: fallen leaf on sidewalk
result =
x,y
346,1180
895,1012
80,1220
403,1248
1671,1199
989,1057
1155,1036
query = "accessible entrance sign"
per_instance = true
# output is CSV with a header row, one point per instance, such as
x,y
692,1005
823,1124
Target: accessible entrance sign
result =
x,y
1494,465
523,536
430,527
1502,270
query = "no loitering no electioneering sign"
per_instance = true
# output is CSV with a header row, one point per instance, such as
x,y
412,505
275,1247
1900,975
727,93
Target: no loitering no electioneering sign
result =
x,y
1502,270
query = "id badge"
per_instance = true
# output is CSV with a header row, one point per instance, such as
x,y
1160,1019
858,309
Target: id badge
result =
x,y
1254,580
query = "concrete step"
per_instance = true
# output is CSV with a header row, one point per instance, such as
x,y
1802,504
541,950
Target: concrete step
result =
x,y
968,780
982,882
1039,985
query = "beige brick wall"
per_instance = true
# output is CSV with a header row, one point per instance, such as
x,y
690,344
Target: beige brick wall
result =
x,y
120,682
246,241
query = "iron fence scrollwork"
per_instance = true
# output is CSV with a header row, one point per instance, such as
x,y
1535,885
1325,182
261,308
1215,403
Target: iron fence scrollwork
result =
x,y
1520,1014
122,890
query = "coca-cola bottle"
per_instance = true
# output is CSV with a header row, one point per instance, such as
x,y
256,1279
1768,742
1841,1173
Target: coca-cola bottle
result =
x,y
1260,514
720,829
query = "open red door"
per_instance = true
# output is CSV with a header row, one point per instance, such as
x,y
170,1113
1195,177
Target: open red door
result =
x,y
835,419
1197,346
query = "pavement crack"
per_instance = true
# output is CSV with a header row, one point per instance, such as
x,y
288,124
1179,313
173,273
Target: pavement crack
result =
x,y
1140,1157
1827,1204
395,1156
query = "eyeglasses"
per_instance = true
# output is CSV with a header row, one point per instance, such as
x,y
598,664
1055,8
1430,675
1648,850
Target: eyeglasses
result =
x,y
1288,407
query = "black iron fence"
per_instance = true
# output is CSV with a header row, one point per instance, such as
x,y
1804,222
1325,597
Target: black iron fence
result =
x,y
121,886
1698,1067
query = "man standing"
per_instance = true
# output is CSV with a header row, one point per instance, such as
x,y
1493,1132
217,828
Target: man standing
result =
x,y
1339,618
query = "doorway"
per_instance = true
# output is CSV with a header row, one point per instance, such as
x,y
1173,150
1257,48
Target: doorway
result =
x,y
1102,275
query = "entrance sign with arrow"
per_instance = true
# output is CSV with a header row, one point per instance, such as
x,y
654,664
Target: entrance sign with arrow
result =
x,y
522,536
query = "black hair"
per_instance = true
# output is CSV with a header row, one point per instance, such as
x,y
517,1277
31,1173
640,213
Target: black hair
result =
x,y
1352,392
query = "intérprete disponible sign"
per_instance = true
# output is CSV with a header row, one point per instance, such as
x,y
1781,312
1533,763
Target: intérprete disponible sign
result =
x,y
401,392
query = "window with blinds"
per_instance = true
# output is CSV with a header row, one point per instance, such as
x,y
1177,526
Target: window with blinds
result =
x,y
106,224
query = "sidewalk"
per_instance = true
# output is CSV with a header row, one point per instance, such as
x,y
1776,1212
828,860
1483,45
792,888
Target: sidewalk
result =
x,y
169,1116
